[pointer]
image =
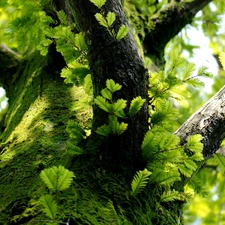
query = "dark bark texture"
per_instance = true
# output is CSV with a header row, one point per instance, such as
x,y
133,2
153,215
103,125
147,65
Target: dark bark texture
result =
x,y
120,61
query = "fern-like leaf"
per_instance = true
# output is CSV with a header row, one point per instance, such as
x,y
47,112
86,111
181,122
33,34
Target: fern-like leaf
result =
x,y
102,21
106,93
111,17
139,181
168,196
101,102
122,32
65,178
62,17
112,86
98,3
194,143
50,207
119,105
57,178
135,105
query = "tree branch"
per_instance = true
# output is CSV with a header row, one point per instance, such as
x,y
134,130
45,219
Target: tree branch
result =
x,y
9,63
209,121
168,22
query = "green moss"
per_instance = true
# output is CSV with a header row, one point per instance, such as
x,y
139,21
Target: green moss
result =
x,y
35,138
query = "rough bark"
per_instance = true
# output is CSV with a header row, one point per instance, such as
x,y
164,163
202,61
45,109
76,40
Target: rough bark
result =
x,y
209,121
120,61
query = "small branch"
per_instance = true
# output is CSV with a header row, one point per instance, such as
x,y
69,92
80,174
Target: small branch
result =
x,y
8,57
209,121
168,23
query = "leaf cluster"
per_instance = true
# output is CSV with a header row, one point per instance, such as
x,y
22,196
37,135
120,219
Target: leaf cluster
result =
x,y
108,20
115,109
56,179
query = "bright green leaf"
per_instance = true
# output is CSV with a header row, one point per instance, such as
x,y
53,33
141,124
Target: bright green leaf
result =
x,y
62,17
194,143
119,105
98,3
101,102
50,207
111,17
135,105
101,20
112,86
168,196
57,178
122,32
139,181
106,93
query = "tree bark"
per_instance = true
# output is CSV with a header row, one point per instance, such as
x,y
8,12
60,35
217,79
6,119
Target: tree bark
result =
x,y
209,121
120,61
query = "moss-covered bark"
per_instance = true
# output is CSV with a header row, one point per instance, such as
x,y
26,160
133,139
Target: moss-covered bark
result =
x,y
34,137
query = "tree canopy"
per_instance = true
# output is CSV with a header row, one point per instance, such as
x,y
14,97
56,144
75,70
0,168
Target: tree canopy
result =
x,y
107,120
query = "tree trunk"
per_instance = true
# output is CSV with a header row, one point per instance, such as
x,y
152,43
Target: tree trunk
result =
x,y
35,136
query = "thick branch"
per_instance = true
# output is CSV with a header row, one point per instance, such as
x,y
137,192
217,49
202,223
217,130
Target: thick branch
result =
x,y
209,121
168,23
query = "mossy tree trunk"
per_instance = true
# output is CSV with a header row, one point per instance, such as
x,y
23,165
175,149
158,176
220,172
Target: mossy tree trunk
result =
x,y
35,136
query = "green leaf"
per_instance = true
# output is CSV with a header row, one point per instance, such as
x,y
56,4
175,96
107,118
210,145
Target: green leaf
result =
x,y
103,130
119,105
185,170
98,3
65,178
197,156
50,207
102,104
164,174
62,17
57,178
120,114
202,72
139,181
190,164
194,143
135,105
106,93
75,131
122,32
80,41
101,20
168,196
220,160
113,127
222,59
112,86
122,128
111,17
188,70
195,82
